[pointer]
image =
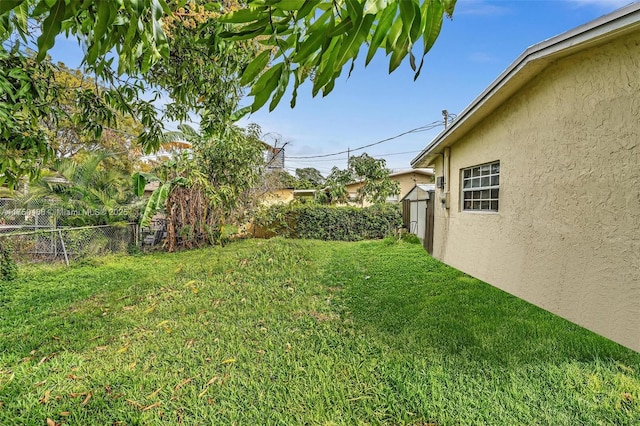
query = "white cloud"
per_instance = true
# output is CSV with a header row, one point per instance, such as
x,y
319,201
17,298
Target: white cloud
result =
x,y
609,4
480,7
482,57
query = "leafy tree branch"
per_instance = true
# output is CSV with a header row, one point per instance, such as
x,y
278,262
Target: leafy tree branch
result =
x,y
202,53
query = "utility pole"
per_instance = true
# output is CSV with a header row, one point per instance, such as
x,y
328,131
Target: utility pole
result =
x,y
348,156
445,115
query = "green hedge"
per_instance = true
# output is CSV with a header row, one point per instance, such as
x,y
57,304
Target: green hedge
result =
x,y
328,222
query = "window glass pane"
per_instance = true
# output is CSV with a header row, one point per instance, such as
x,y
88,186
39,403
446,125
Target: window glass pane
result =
x,y
476,183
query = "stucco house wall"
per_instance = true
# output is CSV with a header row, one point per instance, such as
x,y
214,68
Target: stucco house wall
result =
x,y
566,236
408,180
275,196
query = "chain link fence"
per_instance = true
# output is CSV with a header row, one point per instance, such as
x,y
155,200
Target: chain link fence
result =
x,y
34,232
15,216
65,244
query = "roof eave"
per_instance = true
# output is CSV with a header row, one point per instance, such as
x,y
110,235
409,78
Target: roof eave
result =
x,y
524,68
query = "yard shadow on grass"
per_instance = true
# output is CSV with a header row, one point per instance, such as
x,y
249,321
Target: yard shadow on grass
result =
x,y
417,304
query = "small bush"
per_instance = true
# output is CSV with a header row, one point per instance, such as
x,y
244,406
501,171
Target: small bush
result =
x,y
134,250
404,237
312,221
410,238
8,266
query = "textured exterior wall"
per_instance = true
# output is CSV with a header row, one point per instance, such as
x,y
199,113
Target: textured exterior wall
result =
x,y
352,190
277,196
406,180
567,234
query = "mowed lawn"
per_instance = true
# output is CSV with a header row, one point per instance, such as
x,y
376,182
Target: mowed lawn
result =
x,y
286,332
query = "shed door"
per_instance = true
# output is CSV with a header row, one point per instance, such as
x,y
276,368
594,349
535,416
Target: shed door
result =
x,y
428,228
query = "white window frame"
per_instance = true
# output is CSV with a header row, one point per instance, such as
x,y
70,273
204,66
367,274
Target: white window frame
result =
x,y
480,188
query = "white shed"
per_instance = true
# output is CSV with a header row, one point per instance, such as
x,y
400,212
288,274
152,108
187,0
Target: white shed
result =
x,y
415,215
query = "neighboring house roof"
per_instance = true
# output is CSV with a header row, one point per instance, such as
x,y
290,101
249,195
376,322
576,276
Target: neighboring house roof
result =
x,y
529,64
424,171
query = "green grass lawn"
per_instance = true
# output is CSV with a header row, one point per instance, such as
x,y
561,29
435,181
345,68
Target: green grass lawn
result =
x,y
296,332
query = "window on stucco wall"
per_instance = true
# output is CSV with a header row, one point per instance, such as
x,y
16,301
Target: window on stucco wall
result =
x,y
481,187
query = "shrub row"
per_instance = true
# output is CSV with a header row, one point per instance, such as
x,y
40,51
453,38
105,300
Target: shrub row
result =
x,y
310,221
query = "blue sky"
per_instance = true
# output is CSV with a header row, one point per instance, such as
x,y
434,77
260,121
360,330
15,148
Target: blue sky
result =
x,y
483,38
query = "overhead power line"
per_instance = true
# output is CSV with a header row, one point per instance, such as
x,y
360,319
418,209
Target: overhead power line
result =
x,y
330,160
416,130
398,153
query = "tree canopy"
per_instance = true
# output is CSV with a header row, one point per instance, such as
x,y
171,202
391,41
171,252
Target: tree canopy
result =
x,y
309,178
372,175
377,186
202,190
202,53
86,189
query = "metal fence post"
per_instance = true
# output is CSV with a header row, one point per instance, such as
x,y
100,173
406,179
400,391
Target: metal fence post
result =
x,y
64,249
